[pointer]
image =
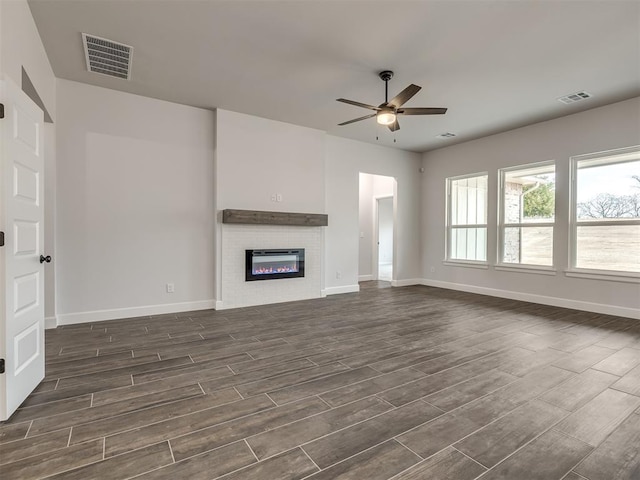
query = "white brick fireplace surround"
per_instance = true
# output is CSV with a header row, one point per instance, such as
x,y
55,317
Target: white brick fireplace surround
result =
x,y
236,292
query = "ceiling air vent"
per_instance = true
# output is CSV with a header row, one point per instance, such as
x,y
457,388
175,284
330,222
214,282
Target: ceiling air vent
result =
x,y
446,135
574,97
107,57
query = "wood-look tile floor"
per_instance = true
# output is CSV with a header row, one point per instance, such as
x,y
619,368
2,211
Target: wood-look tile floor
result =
x,y
390,383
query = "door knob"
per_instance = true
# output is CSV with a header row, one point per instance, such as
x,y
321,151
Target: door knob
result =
x,y
45,259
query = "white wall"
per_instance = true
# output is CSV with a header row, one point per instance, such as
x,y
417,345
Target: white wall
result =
x,y
20,46
257,159
382,186
600,129
135,186
345,159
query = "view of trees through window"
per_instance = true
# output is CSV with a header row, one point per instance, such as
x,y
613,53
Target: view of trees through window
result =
x,y
539,198
612,205
607,235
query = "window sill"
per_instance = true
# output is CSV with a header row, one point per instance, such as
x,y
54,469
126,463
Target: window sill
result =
x,y
539,270
626,277
466,264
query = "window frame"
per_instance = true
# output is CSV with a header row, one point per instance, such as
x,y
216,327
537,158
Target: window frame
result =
x,y
574,223
502,226
449,226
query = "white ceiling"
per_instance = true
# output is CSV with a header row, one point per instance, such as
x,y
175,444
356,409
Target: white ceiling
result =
x,y
496,65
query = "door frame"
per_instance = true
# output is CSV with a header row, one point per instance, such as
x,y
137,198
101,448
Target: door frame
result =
x,y
375,261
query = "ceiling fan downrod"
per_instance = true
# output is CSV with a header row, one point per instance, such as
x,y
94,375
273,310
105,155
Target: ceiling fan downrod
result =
x,y
385,76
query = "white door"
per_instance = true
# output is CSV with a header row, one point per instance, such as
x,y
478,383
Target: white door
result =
x,y
21,271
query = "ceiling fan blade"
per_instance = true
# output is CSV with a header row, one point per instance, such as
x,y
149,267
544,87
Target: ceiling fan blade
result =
x,y
404,96
395,126
358,104
422,111
357,119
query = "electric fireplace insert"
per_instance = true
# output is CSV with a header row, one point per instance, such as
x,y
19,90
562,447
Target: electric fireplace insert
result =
x,y
274,264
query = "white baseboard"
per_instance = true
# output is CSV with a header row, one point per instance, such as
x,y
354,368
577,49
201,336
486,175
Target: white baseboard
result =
x,y
406,282
50,322
365,278
101,315
542,299
343,289
220,305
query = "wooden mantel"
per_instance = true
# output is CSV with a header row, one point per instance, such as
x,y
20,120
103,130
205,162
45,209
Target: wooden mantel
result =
x,y
257,217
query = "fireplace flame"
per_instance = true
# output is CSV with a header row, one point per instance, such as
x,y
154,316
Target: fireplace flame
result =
x,y
271,269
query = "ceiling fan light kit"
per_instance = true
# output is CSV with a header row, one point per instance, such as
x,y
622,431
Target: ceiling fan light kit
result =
x,y
385,117
387,112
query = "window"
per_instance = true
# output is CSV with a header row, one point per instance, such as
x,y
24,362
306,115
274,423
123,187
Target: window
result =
x,y
527,213
605,233
467,218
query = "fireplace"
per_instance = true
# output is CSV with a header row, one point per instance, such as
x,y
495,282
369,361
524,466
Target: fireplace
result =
x,y
274,264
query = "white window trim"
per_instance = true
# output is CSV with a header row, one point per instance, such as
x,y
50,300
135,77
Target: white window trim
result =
x,y
618,154
502,226
448,226
524,268
606,223
608,275
466,264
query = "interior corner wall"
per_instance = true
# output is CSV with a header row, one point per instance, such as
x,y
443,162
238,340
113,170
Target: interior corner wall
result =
x,y
345,159
21,47
600,129
136,205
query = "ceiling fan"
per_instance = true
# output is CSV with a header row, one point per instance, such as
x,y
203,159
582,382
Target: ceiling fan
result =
x,y
387,112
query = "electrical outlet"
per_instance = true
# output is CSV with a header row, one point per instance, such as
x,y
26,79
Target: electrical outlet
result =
x,y
432,269
274,197
278,197
170,288
338,274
